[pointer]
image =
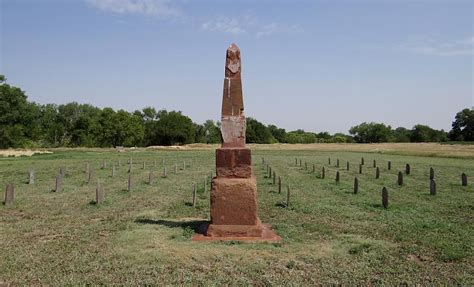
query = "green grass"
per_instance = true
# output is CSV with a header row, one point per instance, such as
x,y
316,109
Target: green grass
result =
x,y
330,235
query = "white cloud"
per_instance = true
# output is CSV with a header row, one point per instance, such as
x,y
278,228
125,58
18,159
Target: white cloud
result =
x,y
433,47
225,25
168,9
162,8
274,28
247,24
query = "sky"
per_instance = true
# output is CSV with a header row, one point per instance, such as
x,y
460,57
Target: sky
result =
x,y
312,65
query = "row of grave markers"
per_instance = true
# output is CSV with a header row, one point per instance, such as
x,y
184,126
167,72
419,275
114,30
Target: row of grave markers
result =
x,y
100,194
377,170
195,188
377,175
272,175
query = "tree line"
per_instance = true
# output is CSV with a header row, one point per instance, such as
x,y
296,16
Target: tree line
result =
x,y
28,124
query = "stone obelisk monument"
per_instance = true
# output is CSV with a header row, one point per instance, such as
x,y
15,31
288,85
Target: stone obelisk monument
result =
x,y
234,189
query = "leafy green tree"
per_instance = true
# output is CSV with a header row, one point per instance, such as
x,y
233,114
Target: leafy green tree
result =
x,y
371,132
463,126
18,118
341,138
300,136
212,132
423,133
277,133
129,129
401,134
50,127
257,132
172,128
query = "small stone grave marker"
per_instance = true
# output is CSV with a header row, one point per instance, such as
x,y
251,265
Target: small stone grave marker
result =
x,y
463,179
31,176
356,185
9,194
90,175
130,182
99,193
59,183
150,177
164,175
279,184
400,178
432,187
384,197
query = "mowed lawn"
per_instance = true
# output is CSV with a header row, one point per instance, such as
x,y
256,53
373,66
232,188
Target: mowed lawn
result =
x,y
330,235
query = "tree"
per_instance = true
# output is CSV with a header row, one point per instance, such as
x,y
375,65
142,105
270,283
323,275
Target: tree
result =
x,y
401,134
277,133
423,133
300,136
129,129
257,132
172,128
212,132
18,117
371,132
463,126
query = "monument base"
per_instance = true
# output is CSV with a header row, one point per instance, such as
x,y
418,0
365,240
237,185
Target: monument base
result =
x,y
244,233
223,230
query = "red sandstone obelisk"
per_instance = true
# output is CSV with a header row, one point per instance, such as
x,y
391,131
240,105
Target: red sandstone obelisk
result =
x,y
234,189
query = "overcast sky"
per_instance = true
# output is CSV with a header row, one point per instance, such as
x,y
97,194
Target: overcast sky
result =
x,y
315,65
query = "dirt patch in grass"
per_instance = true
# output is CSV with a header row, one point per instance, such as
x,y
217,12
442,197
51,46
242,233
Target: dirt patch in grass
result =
x,y
19,152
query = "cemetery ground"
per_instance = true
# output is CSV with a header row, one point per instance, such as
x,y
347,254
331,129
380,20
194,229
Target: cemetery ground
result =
x,y
329,234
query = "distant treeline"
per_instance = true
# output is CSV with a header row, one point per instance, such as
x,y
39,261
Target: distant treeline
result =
x,y
28,124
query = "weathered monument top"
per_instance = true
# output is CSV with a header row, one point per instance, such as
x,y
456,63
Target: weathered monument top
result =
x,y
232,64
233,119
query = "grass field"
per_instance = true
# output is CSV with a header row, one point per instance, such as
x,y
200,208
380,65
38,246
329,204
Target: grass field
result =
x,y
330,235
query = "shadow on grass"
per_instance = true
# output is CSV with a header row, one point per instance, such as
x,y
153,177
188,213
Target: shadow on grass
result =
x,y
195,225
281,205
